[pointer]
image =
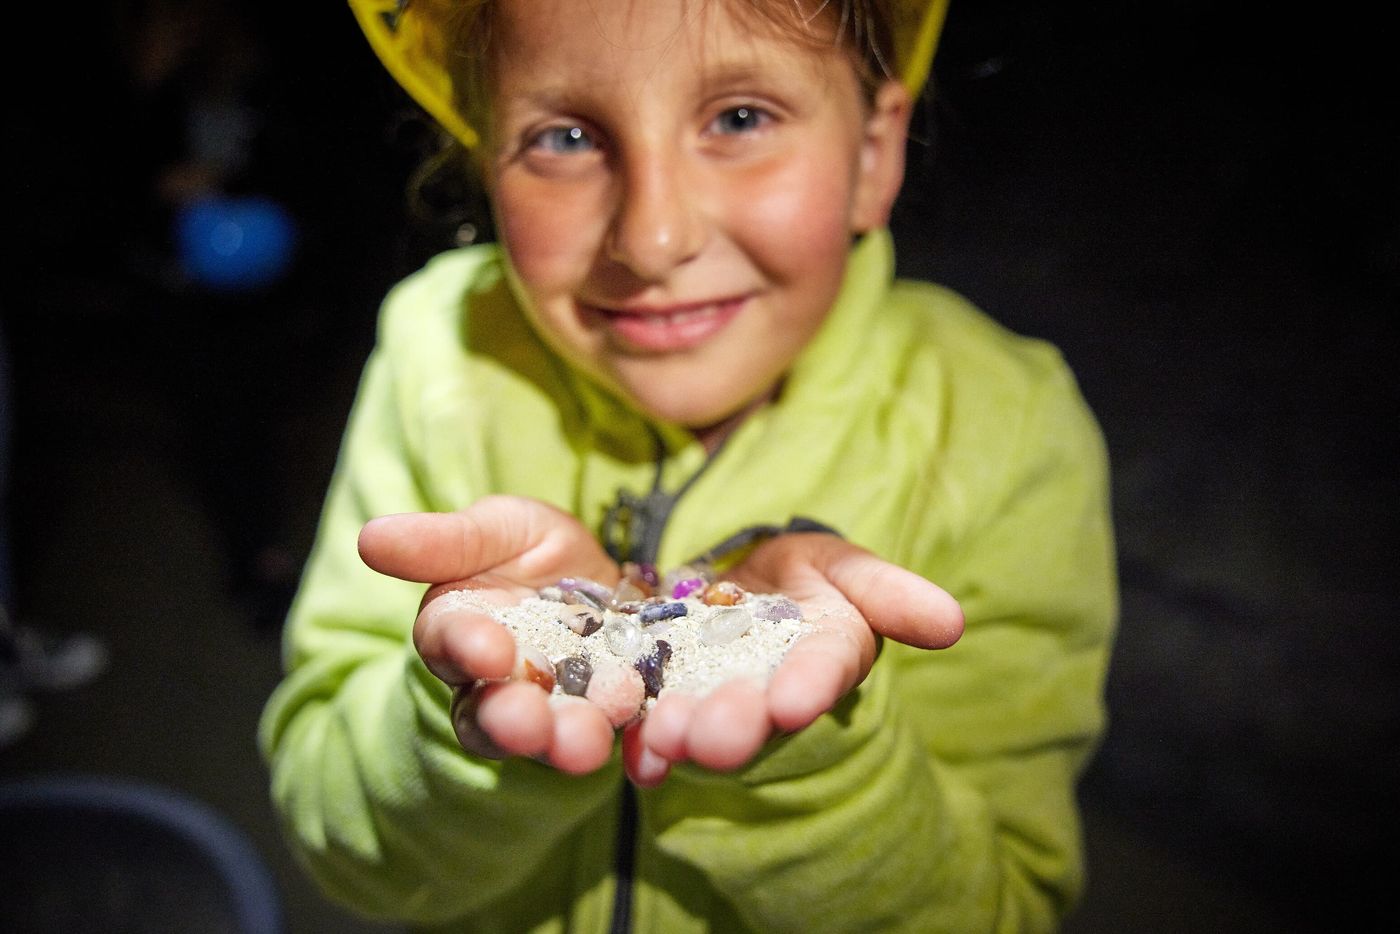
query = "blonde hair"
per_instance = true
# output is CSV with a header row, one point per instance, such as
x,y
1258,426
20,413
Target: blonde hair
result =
x,y
863,28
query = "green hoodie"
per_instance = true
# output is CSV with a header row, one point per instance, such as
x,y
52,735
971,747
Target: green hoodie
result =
x,y
937,796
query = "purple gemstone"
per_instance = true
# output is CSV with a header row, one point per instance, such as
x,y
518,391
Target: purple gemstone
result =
x,y
774,610
659,611
583,585
685,588
652,668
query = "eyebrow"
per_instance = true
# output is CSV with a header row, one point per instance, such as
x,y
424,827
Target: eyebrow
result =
x,y
717,81
718,71
730,75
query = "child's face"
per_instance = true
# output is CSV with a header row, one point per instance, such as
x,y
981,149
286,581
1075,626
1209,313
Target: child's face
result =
x,y
677,191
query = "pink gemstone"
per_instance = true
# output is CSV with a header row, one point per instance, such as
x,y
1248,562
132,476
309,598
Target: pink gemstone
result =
x,y
618,690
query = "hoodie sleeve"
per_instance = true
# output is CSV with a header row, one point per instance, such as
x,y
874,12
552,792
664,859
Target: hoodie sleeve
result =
x,y
939,796
375,795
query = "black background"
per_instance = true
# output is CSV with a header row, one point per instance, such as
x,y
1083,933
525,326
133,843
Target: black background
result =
x,y
1197,202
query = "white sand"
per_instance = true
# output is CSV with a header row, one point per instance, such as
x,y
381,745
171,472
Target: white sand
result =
x,y
694,667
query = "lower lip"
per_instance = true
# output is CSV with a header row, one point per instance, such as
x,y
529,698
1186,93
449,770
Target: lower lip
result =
x,y
670,333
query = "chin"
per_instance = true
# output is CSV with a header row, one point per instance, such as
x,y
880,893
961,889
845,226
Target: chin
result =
x,y
708,421
683,414
681,408
698,397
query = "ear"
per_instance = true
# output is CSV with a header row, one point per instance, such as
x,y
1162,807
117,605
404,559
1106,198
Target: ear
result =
x,y
881,168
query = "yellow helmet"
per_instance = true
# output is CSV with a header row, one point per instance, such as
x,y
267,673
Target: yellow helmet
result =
x,y
410,38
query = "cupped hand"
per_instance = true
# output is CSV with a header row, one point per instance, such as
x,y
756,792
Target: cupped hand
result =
x,y
853,597
501,549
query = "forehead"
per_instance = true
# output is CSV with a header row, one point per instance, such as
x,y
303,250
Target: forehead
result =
x,y
611,41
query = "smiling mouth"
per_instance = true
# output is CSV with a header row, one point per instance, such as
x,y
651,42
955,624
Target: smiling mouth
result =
x,y
668,329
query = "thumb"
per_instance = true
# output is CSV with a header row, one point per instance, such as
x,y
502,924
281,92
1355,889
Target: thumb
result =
x,y
897,603
525,536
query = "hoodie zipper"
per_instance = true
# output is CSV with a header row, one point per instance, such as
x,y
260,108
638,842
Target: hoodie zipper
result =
x,y
645,520
623,864
632,530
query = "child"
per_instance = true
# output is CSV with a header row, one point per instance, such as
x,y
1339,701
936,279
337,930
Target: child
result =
x,y
688,334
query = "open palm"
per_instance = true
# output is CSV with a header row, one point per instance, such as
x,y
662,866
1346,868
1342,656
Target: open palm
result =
x,y
853,598
503,549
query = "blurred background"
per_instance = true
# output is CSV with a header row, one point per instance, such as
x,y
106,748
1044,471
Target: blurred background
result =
x,y
1199,204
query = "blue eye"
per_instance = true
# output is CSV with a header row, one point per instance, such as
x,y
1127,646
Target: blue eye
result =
x,y
564,139
740,120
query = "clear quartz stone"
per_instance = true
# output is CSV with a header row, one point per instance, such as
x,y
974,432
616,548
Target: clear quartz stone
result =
x,y
725,626
626,638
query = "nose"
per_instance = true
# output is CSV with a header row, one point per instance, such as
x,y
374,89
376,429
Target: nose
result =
x,y
658,222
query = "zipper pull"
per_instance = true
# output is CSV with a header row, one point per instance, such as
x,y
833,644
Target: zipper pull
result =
x,y
632,525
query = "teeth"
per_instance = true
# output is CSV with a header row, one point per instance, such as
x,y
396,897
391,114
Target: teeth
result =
x,y
679,316
669,319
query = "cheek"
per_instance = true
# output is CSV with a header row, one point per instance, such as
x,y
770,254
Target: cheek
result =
x,y
544,234
798,216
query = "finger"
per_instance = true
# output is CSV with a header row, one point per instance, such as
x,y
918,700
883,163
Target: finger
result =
x,y
815,673
516,716
645,768
665,728
461,645
729,726
582,739
534,539
898,604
